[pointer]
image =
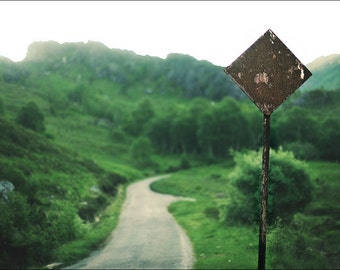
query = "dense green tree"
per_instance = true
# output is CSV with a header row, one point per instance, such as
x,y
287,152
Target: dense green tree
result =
x,y
77,95
302,150
296,124
18,236
141,151
330,139
222,127
184,130
159,132
254,119
289,189
30,116
205,132
136,123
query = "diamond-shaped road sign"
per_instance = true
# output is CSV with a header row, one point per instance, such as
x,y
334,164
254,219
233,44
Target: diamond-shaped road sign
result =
x,y
268,72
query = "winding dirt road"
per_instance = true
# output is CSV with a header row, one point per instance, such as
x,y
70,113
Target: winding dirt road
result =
x,y
147,236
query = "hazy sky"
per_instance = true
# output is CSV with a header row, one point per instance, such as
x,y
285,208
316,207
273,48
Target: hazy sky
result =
x,y
214,31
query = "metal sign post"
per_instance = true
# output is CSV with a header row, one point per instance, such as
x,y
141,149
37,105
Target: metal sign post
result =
x,y
267,72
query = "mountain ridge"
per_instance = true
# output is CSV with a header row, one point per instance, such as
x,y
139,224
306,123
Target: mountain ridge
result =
x,y
325,69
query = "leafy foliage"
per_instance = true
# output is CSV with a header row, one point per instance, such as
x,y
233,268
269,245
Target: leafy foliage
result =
x,y
291,245
329,142
135,125
31,117
141,151
45,209
289,188
223,127
109,183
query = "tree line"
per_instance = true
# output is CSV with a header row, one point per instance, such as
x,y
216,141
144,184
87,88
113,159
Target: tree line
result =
x,y
211,129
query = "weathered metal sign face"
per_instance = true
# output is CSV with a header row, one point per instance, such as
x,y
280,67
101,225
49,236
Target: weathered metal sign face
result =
x,y
268,72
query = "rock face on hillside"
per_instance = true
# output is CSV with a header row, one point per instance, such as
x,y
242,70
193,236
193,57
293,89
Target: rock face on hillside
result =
x,y
5,188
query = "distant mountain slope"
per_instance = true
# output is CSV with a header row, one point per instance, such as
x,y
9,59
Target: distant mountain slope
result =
x,y
177,74
181,73
326,74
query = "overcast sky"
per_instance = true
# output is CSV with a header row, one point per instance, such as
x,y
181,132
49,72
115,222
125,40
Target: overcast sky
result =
x,y
214,31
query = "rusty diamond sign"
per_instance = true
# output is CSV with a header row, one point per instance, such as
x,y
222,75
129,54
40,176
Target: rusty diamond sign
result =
x,y
268,72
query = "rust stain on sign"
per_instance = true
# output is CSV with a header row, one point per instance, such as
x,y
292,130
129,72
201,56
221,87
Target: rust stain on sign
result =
x,y
268,72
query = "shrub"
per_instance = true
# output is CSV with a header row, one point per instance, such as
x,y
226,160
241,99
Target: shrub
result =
x,y
185,163
118,136
110,183
141,151
295,246
60,222
212,212
19,239
91,166
89,210
14,175
31,117
302,150
289,189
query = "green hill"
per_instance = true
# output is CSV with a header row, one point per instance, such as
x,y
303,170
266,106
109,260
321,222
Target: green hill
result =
x,y
55,192
326,74
180,75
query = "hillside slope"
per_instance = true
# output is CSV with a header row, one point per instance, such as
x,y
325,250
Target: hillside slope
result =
x,y
178,74
326,74
47,196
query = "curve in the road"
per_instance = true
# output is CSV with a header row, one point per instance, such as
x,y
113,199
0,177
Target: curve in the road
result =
x,y
147,236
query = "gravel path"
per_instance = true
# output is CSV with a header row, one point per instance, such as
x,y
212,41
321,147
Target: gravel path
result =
x,y
147,236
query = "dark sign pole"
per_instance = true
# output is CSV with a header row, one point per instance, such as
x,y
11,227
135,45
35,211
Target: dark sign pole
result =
x,y
267,72
264,192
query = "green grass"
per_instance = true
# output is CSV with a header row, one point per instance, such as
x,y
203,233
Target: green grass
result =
x,y
52,183
311,242
96,235
326,171
325,176
216,246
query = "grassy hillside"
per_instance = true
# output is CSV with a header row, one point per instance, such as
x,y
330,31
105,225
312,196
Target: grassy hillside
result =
x,y
58,197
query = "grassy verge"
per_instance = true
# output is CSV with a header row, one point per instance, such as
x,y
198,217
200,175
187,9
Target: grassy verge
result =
x,y
96,235
215,245
311,241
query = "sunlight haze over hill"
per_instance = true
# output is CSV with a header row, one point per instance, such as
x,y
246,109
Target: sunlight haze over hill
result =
x,y
216,31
